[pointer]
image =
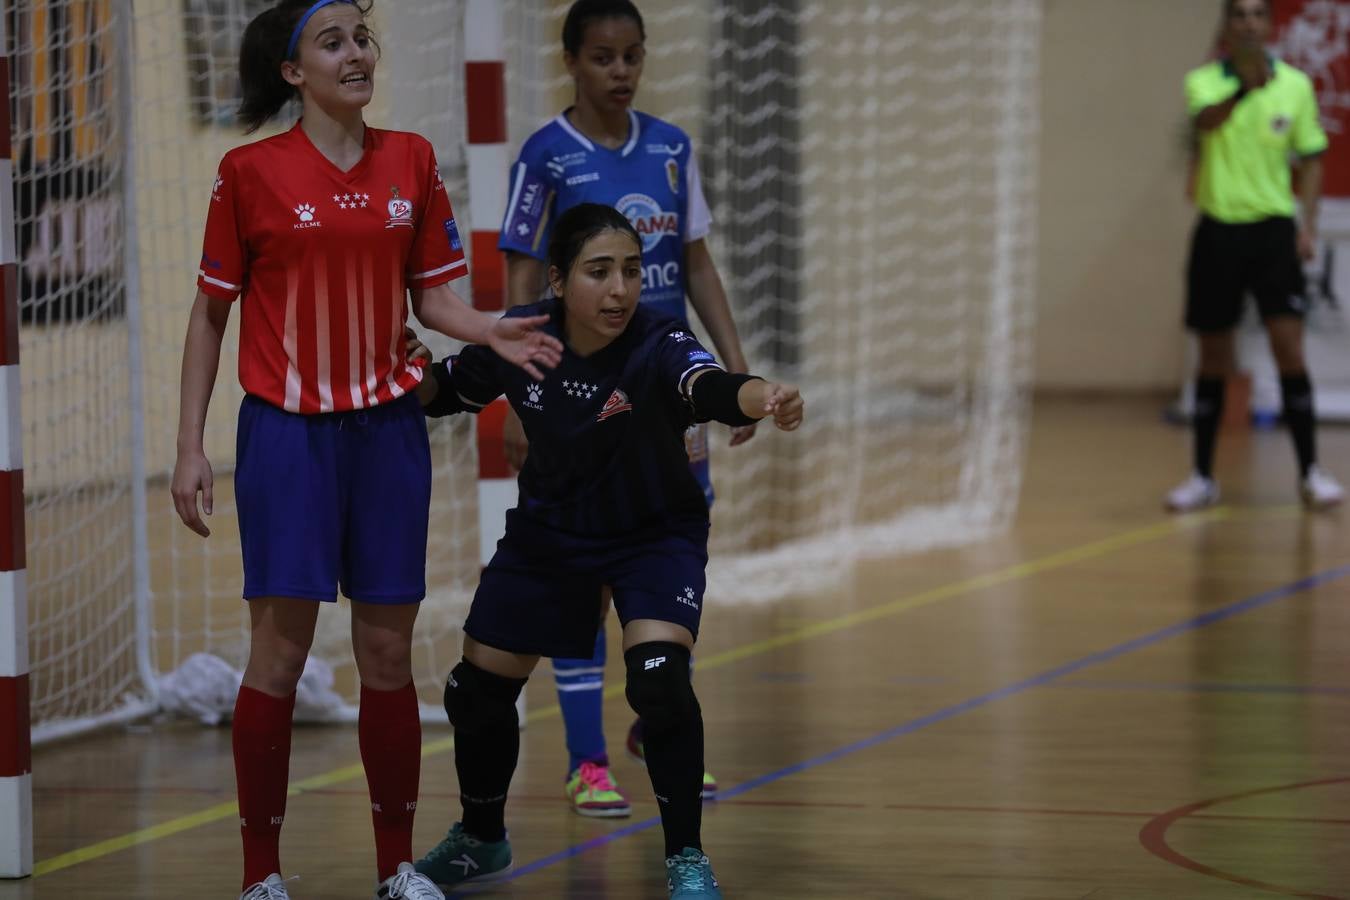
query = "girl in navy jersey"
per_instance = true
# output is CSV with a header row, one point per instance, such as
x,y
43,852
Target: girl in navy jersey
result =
x,y
601,150
320,233
606,499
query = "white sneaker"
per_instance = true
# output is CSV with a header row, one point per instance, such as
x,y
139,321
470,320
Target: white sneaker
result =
x,y
1196,492
271,888
409,884
1320,489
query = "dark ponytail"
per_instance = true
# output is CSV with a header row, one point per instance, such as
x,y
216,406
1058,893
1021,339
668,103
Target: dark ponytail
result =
x,y
577,226
261,53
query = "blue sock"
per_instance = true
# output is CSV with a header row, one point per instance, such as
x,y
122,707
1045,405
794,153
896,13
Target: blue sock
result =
x,y
580,682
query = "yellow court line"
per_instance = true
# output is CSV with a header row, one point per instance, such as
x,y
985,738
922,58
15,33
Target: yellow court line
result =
x,y
1093,550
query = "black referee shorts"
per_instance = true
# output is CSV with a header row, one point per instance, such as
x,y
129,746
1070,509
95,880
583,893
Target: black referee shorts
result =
x,y
1230,261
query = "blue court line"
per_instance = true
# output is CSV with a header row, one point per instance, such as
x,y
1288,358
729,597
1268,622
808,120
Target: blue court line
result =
x,y
1236,608
1207,687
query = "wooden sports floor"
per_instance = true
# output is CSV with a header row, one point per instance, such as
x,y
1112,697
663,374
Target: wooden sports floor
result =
x,y
1105,702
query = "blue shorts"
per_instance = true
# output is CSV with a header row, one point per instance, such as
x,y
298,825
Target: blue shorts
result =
x,y
540,594
336,499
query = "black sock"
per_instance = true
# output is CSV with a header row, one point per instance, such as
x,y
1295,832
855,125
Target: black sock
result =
x,y
1296,391
674,747
1205,421
486,755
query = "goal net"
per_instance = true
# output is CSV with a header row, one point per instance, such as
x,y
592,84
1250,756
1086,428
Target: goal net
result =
x,y
870,166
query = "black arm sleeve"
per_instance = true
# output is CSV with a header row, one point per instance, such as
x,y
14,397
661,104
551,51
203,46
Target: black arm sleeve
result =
x,y
714,397
447,401
464,383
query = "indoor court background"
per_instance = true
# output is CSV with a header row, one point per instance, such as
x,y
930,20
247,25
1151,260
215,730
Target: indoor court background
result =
x,y
1043,687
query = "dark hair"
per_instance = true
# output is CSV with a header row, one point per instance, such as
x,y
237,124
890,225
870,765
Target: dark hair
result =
x,y
578,225
1229,4
584,12
261,53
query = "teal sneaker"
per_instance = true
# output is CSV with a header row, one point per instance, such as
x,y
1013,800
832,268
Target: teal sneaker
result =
x,y
689,876
460,858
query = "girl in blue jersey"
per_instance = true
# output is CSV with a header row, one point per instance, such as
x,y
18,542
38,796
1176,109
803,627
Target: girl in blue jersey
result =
x,y
601,150
606,499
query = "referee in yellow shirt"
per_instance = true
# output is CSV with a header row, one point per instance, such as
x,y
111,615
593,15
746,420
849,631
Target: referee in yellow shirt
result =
x,y
1255,116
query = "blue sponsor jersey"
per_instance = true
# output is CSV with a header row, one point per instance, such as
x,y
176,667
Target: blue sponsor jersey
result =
x,y
652,179
606,431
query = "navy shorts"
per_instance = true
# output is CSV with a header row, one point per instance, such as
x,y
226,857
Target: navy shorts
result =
x,y
540,594
336,499
1228,262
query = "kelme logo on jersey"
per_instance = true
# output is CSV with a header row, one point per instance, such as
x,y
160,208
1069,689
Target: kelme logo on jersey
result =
x,y
617,403
534,394
650,220
400,210
305,213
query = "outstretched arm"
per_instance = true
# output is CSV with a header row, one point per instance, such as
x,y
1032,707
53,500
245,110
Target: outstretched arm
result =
x,y
740,399
514,340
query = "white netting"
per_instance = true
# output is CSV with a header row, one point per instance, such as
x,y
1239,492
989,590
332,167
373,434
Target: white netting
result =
x,y
871,171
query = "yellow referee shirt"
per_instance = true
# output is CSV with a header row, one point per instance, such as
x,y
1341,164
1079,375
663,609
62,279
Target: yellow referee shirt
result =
x,y
1244,163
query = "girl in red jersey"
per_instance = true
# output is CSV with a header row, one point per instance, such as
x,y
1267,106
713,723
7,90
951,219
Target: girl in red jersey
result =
x,y
321,232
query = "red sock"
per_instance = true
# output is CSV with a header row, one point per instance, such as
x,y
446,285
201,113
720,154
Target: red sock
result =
x,y
390,731
262,764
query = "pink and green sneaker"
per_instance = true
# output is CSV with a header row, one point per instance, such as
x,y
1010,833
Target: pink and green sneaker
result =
x,y
592,791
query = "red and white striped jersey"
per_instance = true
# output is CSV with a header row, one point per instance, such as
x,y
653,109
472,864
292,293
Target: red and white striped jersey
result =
x,y
323,260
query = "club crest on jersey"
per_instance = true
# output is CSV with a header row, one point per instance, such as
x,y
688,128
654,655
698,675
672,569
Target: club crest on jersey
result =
x,y
1280,124
617,403
649,219
673,175
400,210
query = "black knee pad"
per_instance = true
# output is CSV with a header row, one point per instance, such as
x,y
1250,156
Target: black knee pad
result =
x,y
477,700
658,685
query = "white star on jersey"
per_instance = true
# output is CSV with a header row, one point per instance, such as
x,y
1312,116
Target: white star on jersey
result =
x,y
577,389
351,201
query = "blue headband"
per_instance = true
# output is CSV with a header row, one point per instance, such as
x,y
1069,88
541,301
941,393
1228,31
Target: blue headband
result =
x,y
300,26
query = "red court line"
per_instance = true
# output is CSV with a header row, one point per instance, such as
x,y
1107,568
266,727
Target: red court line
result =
x,y
1153,837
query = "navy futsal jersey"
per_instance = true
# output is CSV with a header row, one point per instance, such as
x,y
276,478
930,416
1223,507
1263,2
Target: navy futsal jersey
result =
x,y
652,179
606,431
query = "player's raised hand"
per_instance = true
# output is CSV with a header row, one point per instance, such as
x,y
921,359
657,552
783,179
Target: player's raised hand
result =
x,y
785,404
192,476
515,340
